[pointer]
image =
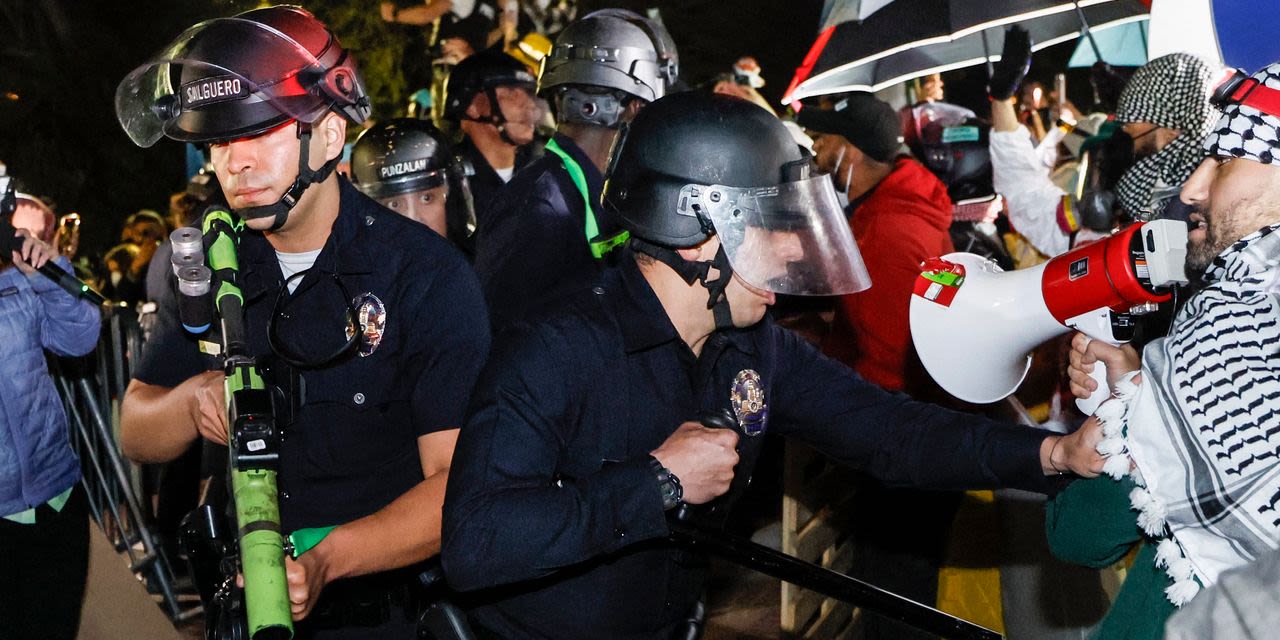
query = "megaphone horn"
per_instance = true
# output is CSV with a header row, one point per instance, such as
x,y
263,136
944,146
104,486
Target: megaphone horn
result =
x,y
974,325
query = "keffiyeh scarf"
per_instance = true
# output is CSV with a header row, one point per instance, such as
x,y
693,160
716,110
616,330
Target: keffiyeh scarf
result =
x,y
1200,435
1173,92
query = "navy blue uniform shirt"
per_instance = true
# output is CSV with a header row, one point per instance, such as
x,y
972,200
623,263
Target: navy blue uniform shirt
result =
x,y
353,446
485,183
551,493
531,245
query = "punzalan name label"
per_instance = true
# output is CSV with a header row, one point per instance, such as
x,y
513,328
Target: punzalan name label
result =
x,y
209,90
401,168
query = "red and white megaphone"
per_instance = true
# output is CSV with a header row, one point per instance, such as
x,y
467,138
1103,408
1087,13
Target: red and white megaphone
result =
x,y
975,325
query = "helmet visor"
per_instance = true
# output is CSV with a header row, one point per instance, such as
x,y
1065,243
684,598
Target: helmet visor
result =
x,y
791,239
220,79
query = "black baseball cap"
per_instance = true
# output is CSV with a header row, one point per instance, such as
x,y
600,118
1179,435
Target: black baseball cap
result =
x,y
867,122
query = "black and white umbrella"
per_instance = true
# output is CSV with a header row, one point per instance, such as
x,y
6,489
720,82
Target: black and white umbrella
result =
x,y
836,12
908,39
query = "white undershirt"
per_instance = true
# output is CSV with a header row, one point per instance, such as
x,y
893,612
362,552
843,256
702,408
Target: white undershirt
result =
x,y
505,174
291,263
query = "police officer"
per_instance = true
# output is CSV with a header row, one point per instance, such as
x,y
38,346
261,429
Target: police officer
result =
x,y
372,407
546,230
582,435
406,165
489,96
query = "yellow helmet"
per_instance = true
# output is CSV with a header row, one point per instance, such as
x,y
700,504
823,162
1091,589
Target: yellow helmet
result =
x,y
530,50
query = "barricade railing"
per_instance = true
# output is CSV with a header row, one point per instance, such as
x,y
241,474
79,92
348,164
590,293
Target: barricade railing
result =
x,y
92,388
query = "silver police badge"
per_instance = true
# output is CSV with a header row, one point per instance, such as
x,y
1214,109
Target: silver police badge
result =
x,y
373,321
747,397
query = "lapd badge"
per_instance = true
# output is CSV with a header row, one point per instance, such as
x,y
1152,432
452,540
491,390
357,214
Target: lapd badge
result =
x,y
373,321
747,397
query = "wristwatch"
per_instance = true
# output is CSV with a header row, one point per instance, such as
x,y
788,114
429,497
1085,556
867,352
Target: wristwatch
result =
x,y
668,484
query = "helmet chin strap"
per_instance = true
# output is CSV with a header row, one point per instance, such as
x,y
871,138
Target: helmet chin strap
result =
x,y
495,118
699,272
280,209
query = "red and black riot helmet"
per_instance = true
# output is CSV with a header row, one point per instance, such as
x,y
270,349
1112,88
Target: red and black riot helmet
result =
x,y
234,77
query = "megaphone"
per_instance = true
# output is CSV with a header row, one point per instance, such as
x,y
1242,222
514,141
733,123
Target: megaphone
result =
x,y
975,325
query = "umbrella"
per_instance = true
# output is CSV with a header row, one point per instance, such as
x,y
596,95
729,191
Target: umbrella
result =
x,y
835,12
1122,43
913,38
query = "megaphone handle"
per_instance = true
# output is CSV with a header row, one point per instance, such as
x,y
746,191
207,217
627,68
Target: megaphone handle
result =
x,y
1099,395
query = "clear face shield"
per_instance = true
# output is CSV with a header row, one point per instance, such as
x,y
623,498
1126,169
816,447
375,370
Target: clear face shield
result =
x,y
790,239
182,93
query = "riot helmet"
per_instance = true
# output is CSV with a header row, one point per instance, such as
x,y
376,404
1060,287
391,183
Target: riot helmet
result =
x,y
605,59
405,157
482,73
693,165
238,77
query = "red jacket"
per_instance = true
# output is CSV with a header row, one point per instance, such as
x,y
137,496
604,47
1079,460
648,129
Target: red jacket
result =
x,y
904,221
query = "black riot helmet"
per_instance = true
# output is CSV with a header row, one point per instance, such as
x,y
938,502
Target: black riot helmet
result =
x,y
483,72
693,165
400,156
407,155
238,77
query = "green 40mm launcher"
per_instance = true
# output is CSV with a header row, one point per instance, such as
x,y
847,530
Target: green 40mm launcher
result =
x,y
254,438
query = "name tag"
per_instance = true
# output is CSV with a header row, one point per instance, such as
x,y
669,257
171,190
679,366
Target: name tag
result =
x,y
211,90
8,291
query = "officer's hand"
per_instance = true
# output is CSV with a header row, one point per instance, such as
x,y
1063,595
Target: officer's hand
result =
x,y
1085,352
33,253
306,578
703,459
208,408
1077,452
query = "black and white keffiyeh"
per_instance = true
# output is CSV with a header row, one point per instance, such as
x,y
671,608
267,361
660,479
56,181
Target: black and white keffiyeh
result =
x,y
1173,92
1202,430
1246,132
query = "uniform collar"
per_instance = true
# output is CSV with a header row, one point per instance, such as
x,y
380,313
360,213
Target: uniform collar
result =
x,y
644,322
342,253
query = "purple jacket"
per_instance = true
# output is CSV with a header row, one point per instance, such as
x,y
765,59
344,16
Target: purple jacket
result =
x,y
36,460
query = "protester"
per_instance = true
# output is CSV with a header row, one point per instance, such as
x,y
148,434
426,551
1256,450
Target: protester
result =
x,y
1164,109
1191,438
900,215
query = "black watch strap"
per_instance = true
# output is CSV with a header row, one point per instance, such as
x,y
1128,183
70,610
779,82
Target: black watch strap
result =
x,y
668,484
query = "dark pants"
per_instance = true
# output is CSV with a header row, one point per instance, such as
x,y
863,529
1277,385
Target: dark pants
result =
x,y
373,607
43,569
900,540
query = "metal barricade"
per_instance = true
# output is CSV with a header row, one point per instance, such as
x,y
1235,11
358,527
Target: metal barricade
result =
x,y
92,388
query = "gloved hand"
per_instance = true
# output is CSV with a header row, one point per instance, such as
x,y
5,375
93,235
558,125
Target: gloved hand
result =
x,y
1015,60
